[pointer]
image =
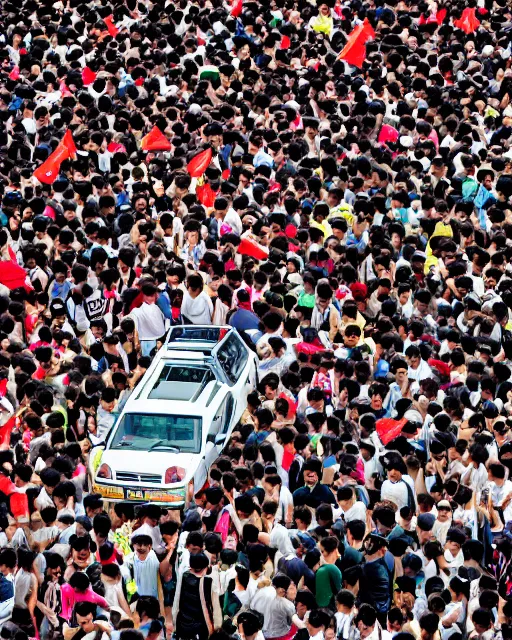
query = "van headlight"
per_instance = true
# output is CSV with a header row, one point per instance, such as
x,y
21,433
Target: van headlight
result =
x,y
104,472
175,474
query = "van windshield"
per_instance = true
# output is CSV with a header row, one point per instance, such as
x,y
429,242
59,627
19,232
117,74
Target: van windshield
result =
x,y
143,432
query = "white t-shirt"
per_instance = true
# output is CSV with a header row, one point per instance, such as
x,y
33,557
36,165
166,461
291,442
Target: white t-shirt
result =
x,y
149,320
198,310
397,491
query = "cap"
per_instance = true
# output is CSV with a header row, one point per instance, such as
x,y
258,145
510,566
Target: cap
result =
x,y
444,504
425,521
303,539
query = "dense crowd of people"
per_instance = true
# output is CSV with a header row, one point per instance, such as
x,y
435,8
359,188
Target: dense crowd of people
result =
x,y
334,181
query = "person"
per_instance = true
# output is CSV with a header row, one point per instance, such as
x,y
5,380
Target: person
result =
x,y
144,565
197,307
87,627
7,566
313,493
149,319
196,610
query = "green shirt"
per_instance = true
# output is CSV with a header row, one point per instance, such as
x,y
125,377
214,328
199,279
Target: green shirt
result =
x,y
327,584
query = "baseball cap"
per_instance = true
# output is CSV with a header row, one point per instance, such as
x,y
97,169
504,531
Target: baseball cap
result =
x,y
425,521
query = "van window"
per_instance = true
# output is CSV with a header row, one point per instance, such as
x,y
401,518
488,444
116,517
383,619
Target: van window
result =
x,y
232,357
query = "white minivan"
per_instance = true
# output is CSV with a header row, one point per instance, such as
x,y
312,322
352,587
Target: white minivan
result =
x,y
178,418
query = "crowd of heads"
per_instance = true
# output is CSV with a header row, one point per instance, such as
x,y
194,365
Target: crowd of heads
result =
x,y
208,162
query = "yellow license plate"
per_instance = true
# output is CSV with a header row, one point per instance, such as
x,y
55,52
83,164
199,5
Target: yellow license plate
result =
x,y
116,493
153,496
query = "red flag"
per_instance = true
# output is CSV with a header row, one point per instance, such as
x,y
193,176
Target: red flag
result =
x,y
111,27
198,165
155,141
68,142
50,168
440,16
468,21
249,247
236,9
368,30
88,76
206,195
389,429
5,433
15,73
114,147
285,43
354,52
12,275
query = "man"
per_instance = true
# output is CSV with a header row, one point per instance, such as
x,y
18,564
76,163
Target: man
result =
x,y
196,610
197,307
368,625
144,565
88,628
149,319
398,487
313,493
227,217
275,604
293,565
354,535
376,579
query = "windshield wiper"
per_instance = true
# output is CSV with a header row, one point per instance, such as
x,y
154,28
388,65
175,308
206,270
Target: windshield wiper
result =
x,y
159,445
125,443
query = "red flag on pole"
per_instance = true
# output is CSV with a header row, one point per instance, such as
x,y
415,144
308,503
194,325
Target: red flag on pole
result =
x,y
111,27
49,170
354,52
155,141
88,76
468,21
198,165
236,9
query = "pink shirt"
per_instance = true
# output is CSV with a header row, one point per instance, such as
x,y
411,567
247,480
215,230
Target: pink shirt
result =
x,y
70,597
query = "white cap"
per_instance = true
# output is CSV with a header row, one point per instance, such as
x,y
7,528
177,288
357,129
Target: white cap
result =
x,y
406,141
